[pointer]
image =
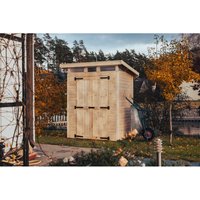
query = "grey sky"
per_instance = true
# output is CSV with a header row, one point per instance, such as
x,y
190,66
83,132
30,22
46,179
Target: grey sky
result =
x,y
111,42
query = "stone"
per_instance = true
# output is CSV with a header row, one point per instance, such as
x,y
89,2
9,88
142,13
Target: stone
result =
x,y
123,161
65,160
71,159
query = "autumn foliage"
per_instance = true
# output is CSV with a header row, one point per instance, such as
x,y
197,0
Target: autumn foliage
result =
x,y
171,65
49,97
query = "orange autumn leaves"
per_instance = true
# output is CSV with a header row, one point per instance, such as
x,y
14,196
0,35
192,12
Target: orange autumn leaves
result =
x,y
50,97
170,67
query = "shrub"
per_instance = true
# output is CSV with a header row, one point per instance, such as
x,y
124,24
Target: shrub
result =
x,y
100,157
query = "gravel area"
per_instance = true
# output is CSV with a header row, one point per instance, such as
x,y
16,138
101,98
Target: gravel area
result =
x,y
47,153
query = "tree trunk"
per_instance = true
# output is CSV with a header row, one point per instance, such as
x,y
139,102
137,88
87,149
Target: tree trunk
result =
x,y
170,123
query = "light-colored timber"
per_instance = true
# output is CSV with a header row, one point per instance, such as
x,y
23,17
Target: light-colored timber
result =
x,y
96,99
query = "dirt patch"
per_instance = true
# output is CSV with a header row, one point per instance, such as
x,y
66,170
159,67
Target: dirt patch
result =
x,y
48,153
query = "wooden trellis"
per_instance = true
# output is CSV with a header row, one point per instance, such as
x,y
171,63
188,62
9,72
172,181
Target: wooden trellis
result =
x,y
16,90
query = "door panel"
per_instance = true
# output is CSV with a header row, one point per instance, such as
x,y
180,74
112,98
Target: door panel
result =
x,y
92,100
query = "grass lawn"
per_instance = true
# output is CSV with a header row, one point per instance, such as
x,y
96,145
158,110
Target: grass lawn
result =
x,y
184,148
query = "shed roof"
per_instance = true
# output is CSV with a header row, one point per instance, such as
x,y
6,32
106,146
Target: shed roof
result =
x,y
100,63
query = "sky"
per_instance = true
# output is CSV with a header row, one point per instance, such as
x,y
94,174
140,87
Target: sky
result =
x,y
111,42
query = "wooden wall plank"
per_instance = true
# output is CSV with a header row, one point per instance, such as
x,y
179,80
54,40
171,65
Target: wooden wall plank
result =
x,y
90,92
80,121
80,91
103,92
86,93
86,123
95,92
126,90
96,124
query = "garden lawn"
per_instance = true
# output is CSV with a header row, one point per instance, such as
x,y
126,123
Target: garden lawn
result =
x,y
183,148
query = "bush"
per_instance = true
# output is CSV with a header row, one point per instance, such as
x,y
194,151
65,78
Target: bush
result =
x,y
101,157
109,157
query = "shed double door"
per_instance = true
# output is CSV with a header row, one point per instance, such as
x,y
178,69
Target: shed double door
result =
x,y
92,107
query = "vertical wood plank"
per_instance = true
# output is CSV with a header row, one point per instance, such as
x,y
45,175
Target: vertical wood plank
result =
x,y
100,124
90,92
86,120
95,92
95,123
80,91
86,93
117,103
80,121
103,123
91,124
103,92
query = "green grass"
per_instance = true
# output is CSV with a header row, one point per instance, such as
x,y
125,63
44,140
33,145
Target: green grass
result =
x,y
183,148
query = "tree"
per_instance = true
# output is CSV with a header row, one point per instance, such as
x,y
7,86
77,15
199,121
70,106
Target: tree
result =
x,y
194,43
92,57
63,53
80,53
50,55
196,63
101,56
142,87
50,97
51,52
194,40
40,51
171,65
135,60
109,56
50,82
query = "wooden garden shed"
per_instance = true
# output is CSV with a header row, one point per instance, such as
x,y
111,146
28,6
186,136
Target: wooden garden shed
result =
x,y
96,99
